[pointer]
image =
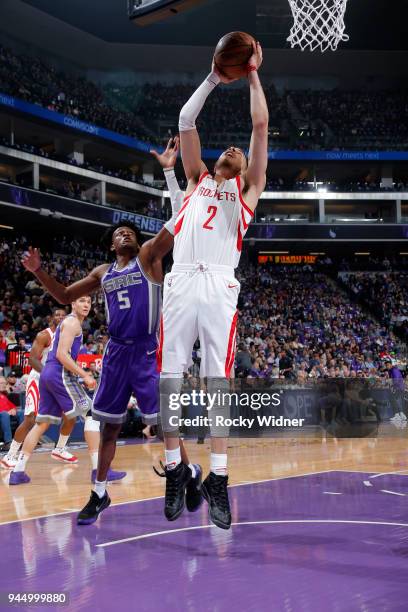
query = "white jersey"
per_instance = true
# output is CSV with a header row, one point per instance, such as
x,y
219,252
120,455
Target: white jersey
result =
x,y
33,373
212,223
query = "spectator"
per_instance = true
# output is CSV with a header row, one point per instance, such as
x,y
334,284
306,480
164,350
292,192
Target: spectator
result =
x,y
7,411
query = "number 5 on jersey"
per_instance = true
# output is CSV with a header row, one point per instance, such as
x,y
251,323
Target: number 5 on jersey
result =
x,y
213,211
123,299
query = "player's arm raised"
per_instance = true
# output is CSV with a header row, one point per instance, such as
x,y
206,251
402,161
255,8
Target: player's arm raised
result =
x,y
31,261
189,138
255,176
69,329
40,343
153,251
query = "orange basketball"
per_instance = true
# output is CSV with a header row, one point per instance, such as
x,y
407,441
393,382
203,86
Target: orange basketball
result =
x,y
232,54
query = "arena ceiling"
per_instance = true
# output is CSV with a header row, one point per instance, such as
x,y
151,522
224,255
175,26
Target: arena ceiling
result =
x,y
371,24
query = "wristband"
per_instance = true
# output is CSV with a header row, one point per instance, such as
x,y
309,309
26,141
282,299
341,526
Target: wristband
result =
x,y
251,68
169,172
213,78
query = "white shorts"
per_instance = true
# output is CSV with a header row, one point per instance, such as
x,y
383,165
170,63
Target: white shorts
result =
x,y
32,394
199,301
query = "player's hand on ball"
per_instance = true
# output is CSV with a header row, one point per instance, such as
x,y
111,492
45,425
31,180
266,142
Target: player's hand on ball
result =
x,y
223,78
31,260
168,158
256,58
90,382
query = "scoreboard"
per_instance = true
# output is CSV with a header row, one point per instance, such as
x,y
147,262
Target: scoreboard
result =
x,y
287,259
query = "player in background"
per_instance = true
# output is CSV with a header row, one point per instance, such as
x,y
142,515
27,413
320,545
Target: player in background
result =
x,y
60,391
132,287
201,292
37,359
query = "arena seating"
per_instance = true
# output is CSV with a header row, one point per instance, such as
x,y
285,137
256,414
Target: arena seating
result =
x,y
299,119
297,317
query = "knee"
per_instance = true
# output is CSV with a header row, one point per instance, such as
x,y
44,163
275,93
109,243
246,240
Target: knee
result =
x,y
91,425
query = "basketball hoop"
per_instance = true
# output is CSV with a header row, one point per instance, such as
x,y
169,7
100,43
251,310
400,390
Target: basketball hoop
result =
x,y
317,24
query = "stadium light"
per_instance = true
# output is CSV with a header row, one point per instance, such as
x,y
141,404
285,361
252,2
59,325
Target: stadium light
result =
x,y
362,253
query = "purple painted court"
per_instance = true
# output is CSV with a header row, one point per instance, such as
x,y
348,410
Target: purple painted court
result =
x,y
334,541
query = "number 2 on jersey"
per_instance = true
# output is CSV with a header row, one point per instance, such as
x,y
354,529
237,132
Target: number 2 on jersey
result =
x,y
123,299
213,211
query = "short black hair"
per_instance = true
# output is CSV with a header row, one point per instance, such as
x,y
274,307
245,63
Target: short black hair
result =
x,y
54,310
108,235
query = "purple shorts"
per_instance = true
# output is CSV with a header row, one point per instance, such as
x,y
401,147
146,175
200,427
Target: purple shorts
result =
x,y
60,393
126,369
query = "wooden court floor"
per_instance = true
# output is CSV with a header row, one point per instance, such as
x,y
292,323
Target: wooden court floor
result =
x,y
57,488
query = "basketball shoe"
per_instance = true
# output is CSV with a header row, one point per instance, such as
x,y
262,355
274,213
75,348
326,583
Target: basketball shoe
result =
x,y
61,454
177,480
89,514
214,489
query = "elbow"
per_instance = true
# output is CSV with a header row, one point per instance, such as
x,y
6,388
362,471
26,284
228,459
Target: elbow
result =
x,y
185,120
261,124
63,297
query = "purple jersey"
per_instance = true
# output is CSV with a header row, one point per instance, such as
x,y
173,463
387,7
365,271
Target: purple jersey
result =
x,y
52,354
133,302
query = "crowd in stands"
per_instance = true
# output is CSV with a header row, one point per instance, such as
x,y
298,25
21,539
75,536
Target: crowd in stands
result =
x,y
25,309
364,119
334,119
295,323
386,293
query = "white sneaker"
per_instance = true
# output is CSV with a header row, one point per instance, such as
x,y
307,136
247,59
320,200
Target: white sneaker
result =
x,y
399,420
63,455
8,462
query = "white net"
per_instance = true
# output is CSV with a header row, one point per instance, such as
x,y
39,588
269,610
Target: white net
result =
x,y
318,24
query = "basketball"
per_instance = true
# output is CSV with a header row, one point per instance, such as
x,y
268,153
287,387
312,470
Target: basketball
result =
x,y
232,54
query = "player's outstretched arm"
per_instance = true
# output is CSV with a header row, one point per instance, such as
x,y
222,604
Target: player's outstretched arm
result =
x,y
189,138
31,261
255,176
40,343
69,329
167,160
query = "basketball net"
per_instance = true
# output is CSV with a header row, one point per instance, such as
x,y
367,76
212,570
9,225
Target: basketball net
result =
x,y
317,24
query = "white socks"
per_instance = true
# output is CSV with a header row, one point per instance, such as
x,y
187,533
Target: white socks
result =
x,y
173,458
94,460
21,462
14,448
218,464
62,442
100,488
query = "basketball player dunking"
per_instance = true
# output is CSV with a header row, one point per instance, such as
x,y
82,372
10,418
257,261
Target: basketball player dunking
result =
x,y
201,292
132,286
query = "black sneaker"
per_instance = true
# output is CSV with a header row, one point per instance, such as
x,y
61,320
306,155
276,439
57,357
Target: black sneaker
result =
x,y
194,497
176,483
93,508
214,489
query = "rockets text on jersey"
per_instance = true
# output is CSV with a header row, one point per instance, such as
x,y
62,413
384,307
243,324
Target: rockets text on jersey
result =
x,y
211,223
